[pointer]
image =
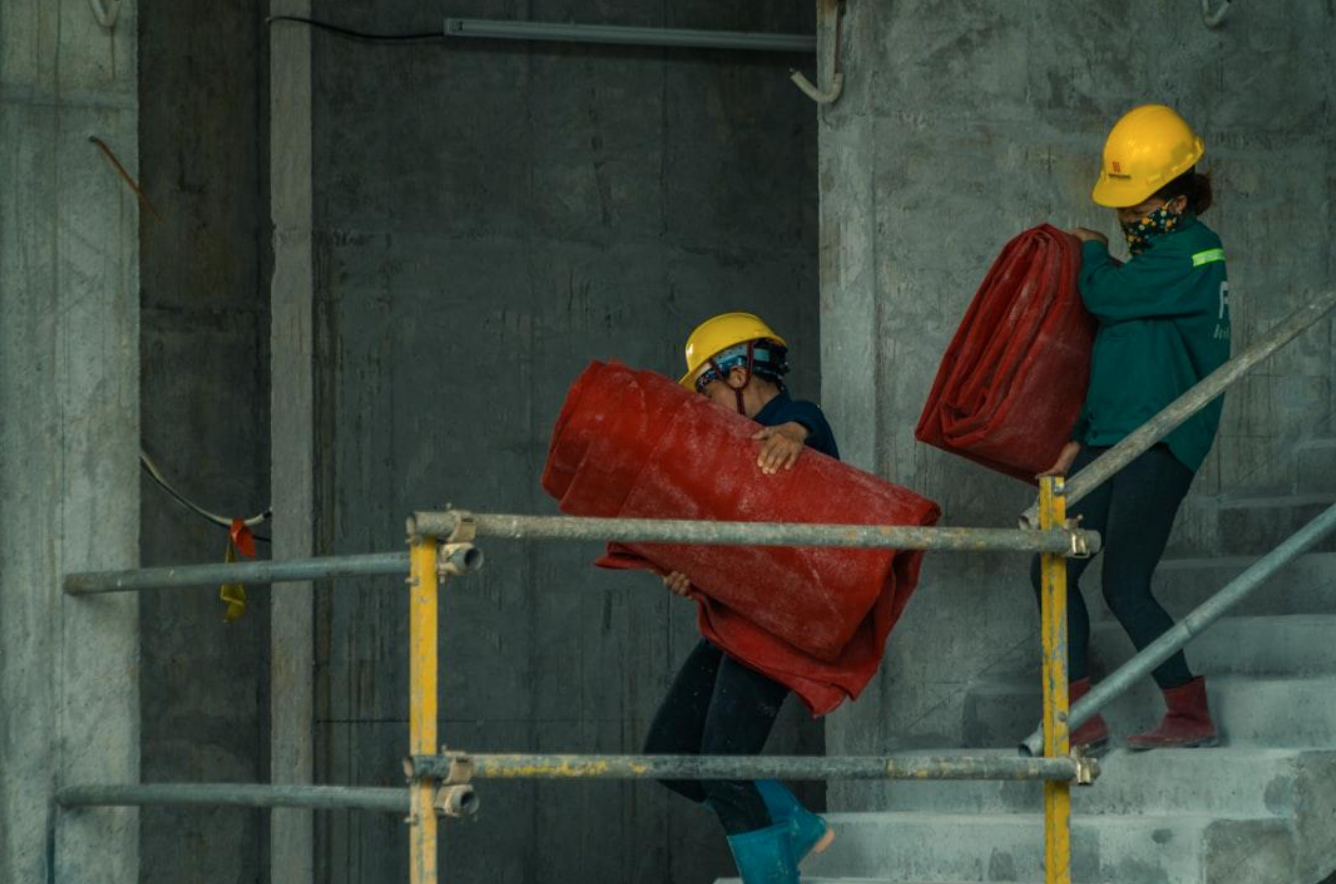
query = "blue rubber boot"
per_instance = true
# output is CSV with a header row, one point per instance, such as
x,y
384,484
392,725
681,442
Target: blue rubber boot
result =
x,y
765,856
806,827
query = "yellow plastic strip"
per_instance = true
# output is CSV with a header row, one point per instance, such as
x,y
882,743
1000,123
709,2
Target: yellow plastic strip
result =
x,y
1208,257
423,603
1057,795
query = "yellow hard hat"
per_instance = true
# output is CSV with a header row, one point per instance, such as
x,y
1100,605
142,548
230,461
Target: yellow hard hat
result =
x,y
1149,147
715,335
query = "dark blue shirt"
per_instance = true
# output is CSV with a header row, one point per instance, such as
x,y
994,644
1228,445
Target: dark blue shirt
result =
x,y
784,409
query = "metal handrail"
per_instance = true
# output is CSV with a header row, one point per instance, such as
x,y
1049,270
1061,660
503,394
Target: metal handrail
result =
x,y
504,766
510,766
440,545
1108,464
447,524
1207,613
390,800
1194,400
462,525
215,573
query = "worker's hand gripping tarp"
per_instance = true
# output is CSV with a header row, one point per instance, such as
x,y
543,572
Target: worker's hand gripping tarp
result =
x,y
633,444
1013,380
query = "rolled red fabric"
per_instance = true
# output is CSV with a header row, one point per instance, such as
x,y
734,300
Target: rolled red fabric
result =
x,y
1012,382
634,444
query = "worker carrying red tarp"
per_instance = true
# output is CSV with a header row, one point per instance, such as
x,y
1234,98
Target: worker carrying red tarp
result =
x,y
1011,384
728,442
634,444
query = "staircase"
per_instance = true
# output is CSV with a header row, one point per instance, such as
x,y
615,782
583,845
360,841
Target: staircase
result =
x,y
1261,809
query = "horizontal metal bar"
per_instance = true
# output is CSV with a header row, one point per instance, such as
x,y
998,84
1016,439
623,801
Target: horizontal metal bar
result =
x,y
1194,400
444,524
1195,623
518,527
678,38
715,767
236,795
293,570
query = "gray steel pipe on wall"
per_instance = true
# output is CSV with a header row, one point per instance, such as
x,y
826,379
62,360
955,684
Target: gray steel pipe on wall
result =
x,y
678,38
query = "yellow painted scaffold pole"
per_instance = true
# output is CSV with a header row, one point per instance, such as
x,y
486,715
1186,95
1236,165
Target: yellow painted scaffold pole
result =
x,y
1057,795
423,602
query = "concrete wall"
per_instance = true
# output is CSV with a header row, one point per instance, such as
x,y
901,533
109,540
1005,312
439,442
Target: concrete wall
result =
x,y
69,434
204,388
488,219
963,124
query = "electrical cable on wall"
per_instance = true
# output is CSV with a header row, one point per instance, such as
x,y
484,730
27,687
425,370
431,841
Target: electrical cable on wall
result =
x,y
349,33
154,473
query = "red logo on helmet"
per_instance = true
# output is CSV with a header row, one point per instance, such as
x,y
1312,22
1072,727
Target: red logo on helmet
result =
x,y
1117,169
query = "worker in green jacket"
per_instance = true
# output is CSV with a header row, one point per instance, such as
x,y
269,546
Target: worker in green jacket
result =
x,y
1163,326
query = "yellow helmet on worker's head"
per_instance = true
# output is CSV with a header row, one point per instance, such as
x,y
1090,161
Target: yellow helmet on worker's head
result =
x,y
1149,147
717,334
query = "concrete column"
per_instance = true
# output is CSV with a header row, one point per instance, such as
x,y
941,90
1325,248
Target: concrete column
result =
x,y
69,437
292,850
850,343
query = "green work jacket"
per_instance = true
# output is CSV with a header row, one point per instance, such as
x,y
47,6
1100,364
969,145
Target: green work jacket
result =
x,y
1163,326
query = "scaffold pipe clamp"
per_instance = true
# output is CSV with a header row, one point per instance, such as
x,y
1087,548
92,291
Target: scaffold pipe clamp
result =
x,y
458,559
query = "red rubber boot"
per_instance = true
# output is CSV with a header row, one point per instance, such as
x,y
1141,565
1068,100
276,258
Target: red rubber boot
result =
x,y
1187,723
1092,738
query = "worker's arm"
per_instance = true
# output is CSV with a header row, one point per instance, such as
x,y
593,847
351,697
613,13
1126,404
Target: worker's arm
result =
x,y
1156,283
1082,424
819,435
780,446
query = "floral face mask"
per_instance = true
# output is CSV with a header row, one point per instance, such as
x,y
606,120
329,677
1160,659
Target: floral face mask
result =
x,y
1141,232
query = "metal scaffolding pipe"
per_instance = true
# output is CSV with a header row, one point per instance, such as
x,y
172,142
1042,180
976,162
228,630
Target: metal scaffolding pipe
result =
x,y
1193,624
236,795
677,38
705,767
294,570
517,527
1185,406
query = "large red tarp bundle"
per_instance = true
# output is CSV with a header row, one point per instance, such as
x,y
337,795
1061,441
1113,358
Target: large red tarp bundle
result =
x,y
634,444
1013,380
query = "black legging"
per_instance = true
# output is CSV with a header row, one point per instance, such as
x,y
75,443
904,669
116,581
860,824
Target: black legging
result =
x,y
1133,512
717,706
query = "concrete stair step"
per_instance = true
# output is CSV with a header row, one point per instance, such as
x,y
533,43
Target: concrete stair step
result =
x,y
1315,466
1258,524
1293,644
1305,586
808,879
1229,782
1182,848
1249,711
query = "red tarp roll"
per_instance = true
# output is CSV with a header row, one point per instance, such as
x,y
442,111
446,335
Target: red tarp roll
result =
x,y
1013,381
634,444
